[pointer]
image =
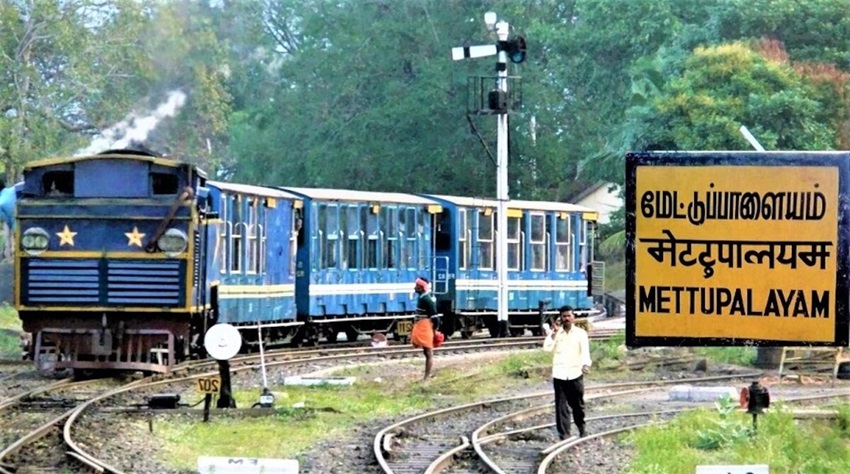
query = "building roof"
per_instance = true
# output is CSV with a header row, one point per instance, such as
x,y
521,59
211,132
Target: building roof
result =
x,y
588,191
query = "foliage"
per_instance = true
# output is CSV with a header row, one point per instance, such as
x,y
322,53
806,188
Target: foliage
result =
x,y
744,356
787,445
365,95
725,87
64,66
725,431
10,328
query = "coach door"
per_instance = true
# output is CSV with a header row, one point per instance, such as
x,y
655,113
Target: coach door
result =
x,y
440,278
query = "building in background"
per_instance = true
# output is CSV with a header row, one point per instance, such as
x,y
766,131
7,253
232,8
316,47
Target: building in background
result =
x,y
602,197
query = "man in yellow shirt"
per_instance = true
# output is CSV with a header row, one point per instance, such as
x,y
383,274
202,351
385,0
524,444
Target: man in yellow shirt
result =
x,y
570,361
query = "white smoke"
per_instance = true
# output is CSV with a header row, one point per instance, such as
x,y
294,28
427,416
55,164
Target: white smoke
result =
x,y
134,127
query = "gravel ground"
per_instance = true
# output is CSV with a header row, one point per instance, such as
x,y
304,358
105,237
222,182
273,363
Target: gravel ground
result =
x,y
351,453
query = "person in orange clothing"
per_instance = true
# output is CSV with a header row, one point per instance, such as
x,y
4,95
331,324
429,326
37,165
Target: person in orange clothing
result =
x,y
423,330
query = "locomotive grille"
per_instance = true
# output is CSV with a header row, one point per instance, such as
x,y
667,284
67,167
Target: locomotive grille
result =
x,y
103,282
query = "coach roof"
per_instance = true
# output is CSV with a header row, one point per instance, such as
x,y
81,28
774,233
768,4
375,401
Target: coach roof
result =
x,y
254,190
327,194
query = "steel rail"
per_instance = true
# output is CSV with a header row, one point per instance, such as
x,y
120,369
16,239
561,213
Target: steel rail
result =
x,y
383,439
552,452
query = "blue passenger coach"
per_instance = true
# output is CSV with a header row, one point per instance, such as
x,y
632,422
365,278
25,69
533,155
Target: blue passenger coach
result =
x,y
549,249
252,264
358,256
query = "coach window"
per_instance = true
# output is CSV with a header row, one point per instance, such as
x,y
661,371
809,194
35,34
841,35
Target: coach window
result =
x,y
513,243
352,238
538,242
485,239
330,227
424,237
251,237
343,237
463,237
316,236
369,222
262,221
409,229
236,235
583,245
563,256
224,227
402,238
389,227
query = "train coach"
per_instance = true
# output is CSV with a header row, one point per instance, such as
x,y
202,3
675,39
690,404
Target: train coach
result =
x,y
358,256
550,250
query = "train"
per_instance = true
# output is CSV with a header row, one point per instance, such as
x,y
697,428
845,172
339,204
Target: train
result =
x,y
125,258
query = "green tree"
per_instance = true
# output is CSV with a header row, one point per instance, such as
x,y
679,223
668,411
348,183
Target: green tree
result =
x,y
727,86
60,66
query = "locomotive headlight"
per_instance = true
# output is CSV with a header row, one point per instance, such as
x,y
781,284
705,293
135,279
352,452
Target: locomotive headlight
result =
x,y
173,242
34,240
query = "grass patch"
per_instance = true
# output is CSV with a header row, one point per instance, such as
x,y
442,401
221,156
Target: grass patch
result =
x,y
723,436
332,411
745,356
10,329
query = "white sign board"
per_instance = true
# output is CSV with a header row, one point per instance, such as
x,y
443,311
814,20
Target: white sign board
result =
x,y
741,469
222,341
220,465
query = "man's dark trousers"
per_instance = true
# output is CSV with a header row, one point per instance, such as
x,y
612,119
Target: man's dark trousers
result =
x,y
569,394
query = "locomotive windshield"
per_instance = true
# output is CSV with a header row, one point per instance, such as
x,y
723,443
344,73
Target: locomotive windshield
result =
x,y
105,178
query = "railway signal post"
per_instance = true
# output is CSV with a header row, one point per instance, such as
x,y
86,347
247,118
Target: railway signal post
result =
x,y
222,342
498,104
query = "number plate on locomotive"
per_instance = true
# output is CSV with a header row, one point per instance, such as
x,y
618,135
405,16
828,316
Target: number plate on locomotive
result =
x,y
404,327
208,384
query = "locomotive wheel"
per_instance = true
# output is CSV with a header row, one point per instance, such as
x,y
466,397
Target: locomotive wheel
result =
x,y
464,334
351,335
331,336
517,332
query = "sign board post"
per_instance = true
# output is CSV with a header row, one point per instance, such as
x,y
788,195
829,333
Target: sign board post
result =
x,y
737,248
223,341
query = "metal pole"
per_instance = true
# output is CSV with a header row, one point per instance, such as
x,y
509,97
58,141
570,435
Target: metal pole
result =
x,y
262,355
502,186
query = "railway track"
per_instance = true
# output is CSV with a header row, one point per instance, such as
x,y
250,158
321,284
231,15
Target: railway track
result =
x,y
554,457
30,423
361,351
55,438
418,444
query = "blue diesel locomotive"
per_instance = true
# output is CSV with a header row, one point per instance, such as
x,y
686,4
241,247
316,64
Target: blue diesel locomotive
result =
x,y
124,259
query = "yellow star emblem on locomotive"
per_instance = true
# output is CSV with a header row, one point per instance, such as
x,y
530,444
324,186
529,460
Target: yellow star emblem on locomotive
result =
x,y
66,237
135,237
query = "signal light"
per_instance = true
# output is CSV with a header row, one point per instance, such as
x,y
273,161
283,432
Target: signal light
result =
x,y
516,49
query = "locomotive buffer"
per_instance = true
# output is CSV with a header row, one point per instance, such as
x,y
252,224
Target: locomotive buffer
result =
x,y
497,103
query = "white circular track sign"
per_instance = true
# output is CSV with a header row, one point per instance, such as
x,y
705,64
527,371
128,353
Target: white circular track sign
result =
x,y
222,341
